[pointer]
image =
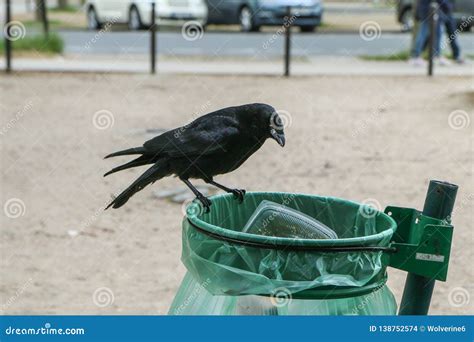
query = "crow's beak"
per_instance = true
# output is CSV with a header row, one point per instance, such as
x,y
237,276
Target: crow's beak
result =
x,y
279,137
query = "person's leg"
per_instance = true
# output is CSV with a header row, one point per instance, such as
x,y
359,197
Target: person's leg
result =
x,y
414,34
451,33
420,38
437,38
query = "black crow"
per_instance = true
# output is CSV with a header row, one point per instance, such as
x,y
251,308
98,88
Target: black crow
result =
x,y
213,144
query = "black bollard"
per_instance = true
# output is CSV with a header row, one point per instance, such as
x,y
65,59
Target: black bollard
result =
x,y
44,18
287,25
418,290
8,43
431,44
153,40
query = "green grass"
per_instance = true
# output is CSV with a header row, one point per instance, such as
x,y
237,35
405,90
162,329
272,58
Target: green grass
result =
x,y
35,24
69,8
54,44
399,56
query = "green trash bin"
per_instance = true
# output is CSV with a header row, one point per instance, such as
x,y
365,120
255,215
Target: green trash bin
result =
x,y
236,273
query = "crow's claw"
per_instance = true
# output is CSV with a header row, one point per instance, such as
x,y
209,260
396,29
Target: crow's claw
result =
x,y
206,203
239,194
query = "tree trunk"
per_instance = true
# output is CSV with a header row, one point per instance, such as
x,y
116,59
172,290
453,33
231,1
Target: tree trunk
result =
x,y
62,4
38,10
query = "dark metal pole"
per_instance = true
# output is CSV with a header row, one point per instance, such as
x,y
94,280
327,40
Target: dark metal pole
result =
x,y
44,18
8,43
287,25
431,44
418,290
153,40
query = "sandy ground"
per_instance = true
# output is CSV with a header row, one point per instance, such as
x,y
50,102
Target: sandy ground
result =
x,y
360,138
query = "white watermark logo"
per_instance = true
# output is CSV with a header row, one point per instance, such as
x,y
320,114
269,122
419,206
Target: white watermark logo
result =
x,y
14,208
459,119
192,30
281,296
370,30
192,208
103,119
458,297
369,207
14,30
280,119
103,296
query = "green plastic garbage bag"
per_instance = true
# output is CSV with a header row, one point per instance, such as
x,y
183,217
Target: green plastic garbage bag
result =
x,y
231,272
193,299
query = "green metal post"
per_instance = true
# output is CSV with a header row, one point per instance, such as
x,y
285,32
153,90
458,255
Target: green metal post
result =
x,y
418,290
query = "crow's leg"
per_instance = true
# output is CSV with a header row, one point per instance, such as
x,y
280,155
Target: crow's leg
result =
x,y
238,193
206,202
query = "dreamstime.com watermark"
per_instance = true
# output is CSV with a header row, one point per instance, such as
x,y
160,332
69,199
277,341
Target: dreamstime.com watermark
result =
x,y
459,119
372,119
18,115
103,119
286,201
103,297
288,22
196,114
14,30
462,27
47,329
370,30
458,297
281,119
14,208
280,297
106,28
192,296
18,293
369,208
361,306
192,30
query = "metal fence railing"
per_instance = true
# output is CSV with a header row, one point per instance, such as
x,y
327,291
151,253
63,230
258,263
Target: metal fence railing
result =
x,y
288,22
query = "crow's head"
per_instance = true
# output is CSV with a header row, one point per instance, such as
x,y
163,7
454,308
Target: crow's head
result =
x,y
271,123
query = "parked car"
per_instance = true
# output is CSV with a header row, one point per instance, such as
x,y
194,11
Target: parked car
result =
x,y
463,12
137,13
252,14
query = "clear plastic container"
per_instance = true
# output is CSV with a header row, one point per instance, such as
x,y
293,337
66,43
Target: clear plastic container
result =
x,y
273,219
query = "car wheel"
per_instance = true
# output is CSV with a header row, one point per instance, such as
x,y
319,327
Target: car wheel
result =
x,y
407,20
246,20
308,28
92,19
134,19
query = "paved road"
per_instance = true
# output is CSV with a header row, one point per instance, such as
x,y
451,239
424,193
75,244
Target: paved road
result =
x,y
259,45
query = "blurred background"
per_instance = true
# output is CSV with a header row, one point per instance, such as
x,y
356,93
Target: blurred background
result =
x,y
362,123
85,33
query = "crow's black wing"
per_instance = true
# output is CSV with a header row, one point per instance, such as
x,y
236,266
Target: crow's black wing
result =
x,y
206,135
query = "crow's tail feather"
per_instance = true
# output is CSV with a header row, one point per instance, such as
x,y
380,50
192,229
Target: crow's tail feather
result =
x,y
130,151
157,171
142,160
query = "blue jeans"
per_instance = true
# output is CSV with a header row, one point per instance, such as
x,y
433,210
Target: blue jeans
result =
x,y
422,36
450,27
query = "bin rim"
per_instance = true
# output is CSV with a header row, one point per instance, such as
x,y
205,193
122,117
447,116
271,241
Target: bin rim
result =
x,y
368,240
